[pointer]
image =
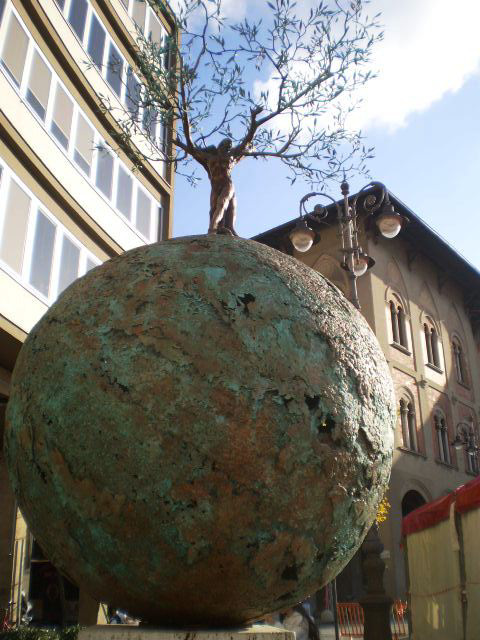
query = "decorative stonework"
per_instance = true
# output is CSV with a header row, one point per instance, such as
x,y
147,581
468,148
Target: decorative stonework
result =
x,y
200,431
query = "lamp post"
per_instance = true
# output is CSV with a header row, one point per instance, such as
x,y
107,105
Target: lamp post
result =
x,y
354,260
373,199
465,439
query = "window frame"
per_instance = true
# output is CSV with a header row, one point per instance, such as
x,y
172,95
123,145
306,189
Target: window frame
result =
x,y
460,364
471,466
59,85
39,212
80,248
408,423
68,6
46,123
109,41
93,16
433,345
4,200
7,17
442,434
399,323
36,205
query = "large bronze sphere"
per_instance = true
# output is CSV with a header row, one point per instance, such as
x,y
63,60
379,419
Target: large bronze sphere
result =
x,y
200,431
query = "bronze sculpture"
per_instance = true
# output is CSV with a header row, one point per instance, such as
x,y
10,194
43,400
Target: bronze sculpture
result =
x,y
191,484
218,162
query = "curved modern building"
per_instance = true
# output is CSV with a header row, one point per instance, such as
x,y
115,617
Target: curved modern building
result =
x,y
69,199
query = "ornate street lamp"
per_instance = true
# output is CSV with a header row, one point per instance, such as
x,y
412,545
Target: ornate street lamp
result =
x,y
354,259
465,439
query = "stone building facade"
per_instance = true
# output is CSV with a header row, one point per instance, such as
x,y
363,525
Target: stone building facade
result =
x,y
422,300
69,199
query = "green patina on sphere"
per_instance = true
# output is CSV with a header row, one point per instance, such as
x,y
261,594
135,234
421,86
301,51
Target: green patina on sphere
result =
x,y
200,431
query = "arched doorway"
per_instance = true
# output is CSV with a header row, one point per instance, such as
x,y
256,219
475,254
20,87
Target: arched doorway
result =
x,y
412,500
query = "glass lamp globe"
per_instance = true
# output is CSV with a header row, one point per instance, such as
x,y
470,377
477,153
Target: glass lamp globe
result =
x,y
302,236
389,222
458,444
360,265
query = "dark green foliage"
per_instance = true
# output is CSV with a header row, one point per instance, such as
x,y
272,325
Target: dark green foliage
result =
x,y
40,633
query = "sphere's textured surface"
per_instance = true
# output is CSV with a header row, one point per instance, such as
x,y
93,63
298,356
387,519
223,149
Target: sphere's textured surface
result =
x,y
200,431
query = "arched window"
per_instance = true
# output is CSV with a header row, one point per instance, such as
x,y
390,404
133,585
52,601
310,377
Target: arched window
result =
x,y
432,343
441,430
472,461
459,361
398,319
411,500
409,424
467,431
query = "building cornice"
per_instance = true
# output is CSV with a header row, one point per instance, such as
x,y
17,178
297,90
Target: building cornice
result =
x,y
421,239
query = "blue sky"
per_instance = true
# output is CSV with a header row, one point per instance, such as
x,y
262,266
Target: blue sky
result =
x,y
421,114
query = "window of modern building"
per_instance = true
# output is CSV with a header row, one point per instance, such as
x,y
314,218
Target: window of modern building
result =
x,y
155,30
124,193
69,264
149,122
15,223
114,69
42,255
84,141
132,93
163,137
14,50
139,9
459,361
442,436
2,9
39,83
144,213
32,242
66,123
90,264
96,41
432,343
104,178
409,425
77,16
108,59
62,115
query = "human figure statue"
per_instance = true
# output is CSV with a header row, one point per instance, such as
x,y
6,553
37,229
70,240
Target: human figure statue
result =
x,y
218,163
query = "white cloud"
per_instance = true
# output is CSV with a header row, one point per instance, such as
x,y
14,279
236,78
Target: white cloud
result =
x,y
431,47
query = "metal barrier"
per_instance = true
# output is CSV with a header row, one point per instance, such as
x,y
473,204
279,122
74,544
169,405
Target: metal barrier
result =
x,y
350,620
6,618
399,627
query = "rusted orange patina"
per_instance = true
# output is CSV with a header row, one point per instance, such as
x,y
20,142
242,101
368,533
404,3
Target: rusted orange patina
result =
x,y
200,431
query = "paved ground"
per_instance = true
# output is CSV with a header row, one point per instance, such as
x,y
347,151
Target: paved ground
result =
x,y
327,632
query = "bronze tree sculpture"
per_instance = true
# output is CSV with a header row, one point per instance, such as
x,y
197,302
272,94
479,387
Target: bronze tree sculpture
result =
x,y
313,60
